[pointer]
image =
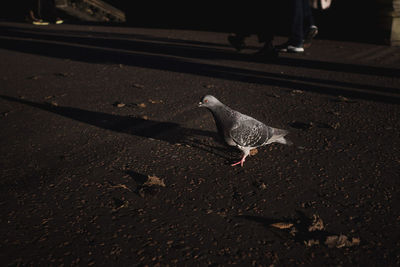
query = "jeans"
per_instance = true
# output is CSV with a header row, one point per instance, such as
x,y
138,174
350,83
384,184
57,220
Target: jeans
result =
x,y
302,19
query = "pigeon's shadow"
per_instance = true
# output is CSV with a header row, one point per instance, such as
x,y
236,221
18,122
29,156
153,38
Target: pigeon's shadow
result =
x,y
170,132
308,125
138,178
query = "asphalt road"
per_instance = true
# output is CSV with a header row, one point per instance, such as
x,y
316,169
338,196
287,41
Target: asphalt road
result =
x,y
91,115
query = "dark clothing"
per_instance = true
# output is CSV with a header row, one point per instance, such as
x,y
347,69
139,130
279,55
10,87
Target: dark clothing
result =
x,y
262,19
43,9
302,19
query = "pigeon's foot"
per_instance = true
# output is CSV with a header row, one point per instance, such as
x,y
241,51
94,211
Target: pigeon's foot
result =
x,y
240,162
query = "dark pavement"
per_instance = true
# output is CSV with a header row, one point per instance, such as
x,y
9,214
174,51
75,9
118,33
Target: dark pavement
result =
x,y
87,113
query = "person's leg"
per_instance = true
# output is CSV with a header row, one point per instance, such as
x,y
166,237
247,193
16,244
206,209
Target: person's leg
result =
x,y
53,12
308,16
295,40
297,28
237,40
265,28
34,13
310,30
241,28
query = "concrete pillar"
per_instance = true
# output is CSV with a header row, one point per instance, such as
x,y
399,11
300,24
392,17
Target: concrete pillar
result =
x,y
389,20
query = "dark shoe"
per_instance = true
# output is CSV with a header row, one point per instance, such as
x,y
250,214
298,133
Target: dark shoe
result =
x,y
311,33
237,42
267,51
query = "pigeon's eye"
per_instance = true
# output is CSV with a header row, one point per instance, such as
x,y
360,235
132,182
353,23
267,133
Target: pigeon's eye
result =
x,y
205,100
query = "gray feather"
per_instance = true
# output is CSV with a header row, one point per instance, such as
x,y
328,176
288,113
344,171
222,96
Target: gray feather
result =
x,y
250,133
241,130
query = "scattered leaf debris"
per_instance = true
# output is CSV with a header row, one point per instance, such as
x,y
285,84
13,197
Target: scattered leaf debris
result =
x,y
119,104
152,101
282,225
335,125
317,224
34,77
53,103
153,180
345,99
61,74
311,242
263,186
119,204
121,186
340,241
316,234
137,85
294,92
150,186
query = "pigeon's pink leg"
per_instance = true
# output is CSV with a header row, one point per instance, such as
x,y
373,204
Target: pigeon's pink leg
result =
x,y
241,161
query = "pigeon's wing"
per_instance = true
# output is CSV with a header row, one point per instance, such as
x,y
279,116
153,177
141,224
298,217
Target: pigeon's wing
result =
x,y
250,133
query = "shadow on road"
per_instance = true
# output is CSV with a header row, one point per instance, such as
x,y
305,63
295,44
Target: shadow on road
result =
x,y
182,56
170,132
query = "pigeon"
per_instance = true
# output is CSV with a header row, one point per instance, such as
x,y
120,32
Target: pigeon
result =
x,y
242,131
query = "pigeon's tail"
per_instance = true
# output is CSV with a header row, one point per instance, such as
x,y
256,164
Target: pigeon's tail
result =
x,y
283,140
279,137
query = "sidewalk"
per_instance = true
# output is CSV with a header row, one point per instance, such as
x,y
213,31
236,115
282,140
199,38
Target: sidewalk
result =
x,y
88,113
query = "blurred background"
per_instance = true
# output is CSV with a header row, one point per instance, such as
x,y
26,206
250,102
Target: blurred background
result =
x,y
373,21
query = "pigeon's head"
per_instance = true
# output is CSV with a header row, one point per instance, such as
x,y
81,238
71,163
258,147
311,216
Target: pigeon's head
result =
x,y
209,101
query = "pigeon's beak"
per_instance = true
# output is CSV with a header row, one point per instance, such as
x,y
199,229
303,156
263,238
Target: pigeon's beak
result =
x,y
200,104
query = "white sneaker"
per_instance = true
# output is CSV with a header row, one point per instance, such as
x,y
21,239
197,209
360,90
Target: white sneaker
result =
x,y
295,49
289,48
40,22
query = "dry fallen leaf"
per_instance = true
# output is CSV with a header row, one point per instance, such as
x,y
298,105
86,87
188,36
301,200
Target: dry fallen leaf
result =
x,y
34,77
355,241
154,180
155,101
341,241
335,126
125,204
311,242
317,224
282,225
119,104
121,186
137,85
263,186
343,99
297,91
